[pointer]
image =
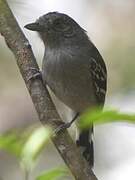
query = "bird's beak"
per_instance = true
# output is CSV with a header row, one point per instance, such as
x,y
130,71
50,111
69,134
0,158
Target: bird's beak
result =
x,y
34,26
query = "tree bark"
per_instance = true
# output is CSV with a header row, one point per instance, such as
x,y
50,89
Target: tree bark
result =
x,y
46,110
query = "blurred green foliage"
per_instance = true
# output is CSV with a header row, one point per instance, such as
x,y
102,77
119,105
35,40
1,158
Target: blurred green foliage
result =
x,y
97,116
53,174
27,146
12,143
33,146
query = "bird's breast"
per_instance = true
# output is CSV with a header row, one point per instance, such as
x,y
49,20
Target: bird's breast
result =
x,y
70,81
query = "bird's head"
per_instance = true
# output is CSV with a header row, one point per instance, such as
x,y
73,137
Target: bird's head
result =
x,y
55,27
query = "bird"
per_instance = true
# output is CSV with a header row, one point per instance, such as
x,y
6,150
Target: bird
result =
x,y
73,69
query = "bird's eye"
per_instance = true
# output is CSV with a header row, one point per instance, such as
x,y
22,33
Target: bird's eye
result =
x,y
62,26
57,23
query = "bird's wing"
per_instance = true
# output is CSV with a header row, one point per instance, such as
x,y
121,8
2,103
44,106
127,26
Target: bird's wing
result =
x,y
99,77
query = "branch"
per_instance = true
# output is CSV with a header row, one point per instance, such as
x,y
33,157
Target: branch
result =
x,y
47,113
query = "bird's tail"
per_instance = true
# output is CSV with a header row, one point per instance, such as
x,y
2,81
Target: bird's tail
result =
x,y
85,142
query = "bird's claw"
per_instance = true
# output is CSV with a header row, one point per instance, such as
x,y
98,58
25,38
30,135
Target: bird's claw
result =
x,y
62,128
36,75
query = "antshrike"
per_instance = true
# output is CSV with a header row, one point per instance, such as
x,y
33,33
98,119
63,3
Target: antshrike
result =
x,y
73,69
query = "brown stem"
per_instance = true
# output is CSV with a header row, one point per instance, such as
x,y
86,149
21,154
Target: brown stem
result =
x,y
47,113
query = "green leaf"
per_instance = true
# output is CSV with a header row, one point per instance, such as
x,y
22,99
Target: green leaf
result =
x,y
34,146
11,143
53,174
99,117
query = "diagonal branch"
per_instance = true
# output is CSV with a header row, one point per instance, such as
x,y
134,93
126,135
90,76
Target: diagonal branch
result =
x,y
47,113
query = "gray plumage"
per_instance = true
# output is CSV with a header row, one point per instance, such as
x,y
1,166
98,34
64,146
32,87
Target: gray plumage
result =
x,y
72,67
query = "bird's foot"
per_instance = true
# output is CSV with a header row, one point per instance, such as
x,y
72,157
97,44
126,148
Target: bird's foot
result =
x,y
62,127
36,74
65,126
